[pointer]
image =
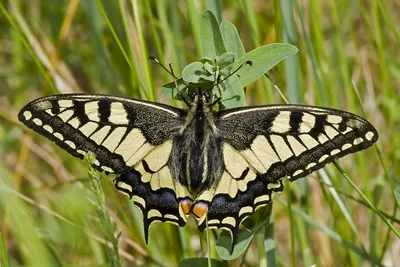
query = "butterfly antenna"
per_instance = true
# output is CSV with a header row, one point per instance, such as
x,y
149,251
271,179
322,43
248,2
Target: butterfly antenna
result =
x,y
171,72
248,62
162,66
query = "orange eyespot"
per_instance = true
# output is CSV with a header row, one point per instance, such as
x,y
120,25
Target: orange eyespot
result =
x,y
186,205
199,209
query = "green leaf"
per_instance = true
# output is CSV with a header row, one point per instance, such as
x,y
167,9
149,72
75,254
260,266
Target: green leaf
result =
x,y
200,262
397,194
232,92
171,90
259,219
263,59
231,39
224,246
192,73
212,43
225,60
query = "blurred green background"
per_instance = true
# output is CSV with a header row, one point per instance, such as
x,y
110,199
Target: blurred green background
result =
x,y
348,59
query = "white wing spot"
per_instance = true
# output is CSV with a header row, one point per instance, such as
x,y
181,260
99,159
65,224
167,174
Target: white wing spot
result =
x,y
330,131
324,157
274,185
245,210
75,122
281,123
124,186
213,221
154,213
262,198
297,172
66,115
308,140
114,138
118,114
322,138
296,146
309,166
229,220
281,147
48,128
348,129
369,136
357,141
146,177
224,186
261,153
308,122
65,103
107,169
155,181
335,151
171,217
82,152
37,121
132,142
158,157
234,162
166,179
139,154
334,119
138,199
59,136
99,136
88,128
346,146
92,111
27,115
71,144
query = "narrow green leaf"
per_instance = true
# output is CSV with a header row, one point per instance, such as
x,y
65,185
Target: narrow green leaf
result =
x,y
3,252
231,39
263,59
397,194
224,245
269,241
200,262
212,43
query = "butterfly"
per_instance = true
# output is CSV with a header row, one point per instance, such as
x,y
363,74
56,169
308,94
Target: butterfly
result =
x,y
219,166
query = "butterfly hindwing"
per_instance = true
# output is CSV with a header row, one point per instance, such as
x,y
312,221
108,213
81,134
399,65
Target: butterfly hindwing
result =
x,y
264,144
154,190
119,131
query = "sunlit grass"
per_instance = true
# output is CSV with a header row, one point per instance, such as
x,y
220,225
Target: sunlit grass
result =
x,y
348,59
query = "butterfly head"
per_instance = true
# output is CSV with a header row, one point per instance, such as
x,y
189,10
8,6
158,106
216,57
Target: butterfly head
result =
x,y
201,97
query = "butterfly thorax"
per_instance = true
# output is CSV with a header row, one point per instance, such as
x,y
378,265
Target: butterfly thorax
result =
x,y
196,158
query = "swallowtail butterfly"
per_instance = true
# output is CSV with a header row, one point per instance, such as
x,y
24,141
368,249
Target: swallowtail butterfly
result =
x,y
173,162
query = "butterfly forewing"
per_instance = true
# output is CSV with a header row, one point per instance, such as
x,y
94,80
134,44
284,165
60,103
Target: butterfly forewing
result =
x,y
119,131
289,140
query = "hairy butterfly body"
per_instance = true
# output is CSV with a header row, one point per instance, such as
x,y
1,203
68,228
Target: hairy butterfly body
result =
x,y
219,165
